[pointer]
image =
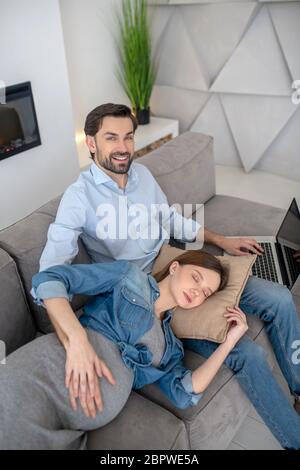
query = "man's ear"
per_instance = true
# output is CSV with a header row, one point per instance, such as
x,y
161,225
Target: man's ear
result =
x,y
90,142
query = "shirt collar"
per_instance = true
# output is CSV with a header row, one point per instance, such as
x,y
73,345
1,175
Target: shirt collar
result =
x,y
153,283
101,177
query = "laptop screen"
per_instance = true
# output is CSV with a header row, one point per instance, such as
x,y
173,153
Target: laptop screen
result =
x,y
289,232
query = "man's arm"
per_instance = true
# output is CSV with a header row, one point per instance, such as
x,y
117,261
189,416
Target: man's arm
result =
x,y
239,246
62,240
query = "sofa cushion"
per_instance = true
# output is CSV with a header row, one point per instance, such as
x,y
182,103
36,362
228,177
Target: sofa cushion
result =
x,y
192,361
17,326
207,321
25,241
233,216
50,208
180,164
141,425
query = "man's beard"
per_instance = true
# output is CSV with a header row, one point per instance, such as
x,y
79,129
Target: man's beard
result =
x,y
120,168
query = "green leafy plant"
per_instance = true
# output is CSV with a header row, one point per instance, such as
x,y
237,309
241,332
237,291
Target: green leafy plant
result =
x,y
138,70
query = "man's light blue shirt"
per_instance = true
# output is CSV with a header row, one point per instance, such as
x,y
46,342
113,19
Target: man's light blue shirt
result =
x,y
84,213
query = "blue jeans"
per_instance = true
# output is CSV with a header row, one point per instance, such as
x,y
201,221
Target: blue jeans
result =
x,y
273,304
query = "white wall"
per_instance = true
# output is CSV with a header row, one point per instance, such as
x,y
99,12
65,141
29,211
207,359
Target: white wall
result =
x,y
89,27
32,49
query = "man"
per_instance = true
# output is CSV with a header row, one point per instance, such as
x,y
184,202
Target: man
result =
x,y
113,176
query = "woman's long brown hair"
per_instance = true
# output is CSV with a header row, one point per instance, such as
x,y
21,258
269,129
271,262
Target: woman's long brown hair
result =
x,y
197,258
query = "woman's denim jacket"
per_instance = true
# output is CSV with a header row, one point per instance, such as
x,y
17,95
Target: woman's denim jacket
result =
x,y
122,309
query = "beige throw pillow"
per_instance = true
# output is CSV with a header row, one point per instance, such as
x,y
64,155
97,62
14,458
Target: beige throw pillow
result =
x,y
207,321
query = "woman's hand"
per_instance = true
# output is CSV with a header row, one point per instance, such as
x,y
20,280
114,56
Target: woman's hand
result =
x,y
83,369
238,326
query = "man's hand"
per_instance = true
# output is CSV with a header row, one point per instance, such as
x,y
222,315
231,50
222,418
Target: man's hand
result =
x,y
240,246
83,369
297,256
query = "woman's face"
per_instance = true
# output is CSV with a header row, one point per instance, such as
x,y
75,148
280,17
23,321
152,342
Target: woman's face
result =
x,y
191,285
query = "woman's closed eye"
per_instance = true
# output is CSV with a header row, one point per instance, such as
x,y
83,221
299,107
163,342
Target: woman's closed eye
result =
x,y
197,279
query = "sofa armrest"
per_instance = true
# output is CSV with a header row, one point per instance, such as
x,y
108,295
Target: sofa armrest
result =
x,y
16,322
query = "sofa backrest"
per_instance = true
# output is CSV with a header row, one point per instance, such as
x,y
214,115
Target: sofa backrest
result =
x,y
184,168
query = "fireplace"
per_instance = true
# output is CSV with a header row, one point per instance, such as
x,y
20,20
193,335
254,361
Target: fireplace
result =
x,y
18,121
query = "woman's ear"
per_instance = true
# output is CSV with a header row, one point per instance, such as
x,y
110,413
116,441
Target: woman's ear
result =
x,y
173,267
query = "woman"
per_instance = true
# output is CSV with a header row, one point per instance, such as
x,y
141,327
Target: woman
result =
x,y
122,341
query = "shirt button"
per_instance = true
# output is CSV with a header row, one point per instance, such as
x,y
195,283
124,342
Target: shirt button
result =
x,y
133,300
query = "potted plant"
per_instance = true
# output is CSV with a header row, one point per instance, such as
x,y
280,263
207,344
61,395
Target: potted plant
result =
x,y
137,72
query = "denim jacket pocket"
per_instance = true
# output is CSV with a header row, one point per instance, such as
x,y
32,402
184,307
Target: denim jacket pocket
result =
x,y
134,310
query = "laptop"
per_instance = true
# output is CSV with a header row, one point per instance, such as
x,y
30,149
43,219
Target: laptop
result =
x,y
277,263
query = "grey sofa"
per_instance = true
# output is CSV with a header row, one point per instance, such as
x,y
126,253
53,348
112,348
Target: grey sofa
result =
x,y
185,170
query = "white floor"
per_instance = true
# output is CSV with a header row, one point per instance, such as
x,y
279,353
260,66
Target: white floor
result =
x,y
257,186
275,191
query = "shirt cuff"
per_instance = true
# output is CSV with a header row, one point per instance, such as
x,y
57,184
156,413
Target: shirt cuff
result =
x,y
189,231
188,386
49,290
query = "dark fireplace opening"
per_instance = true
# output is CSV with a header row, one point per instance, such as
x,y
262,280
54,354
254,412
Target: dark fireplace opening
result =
x,y
19,129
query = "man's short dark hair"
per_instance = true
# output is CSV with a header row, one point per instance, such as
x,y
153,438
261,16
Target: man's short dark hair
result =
x,y
95,118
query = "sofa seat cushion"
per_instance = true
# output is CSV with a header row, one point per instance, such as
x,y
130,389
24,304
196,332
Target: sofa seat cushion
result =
x,y
141,425
192,361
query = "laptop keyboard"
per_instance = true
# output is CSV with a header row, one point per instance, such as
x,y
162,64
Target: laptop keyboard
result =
x,y
264,266
294,267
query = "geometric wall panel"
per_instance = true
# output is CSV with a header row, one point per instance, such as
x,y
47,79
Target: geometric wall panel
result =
x,y
215,30
178,60
159,24
212,121
177,103
281,158
269,114
257,66
187,2
286,20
